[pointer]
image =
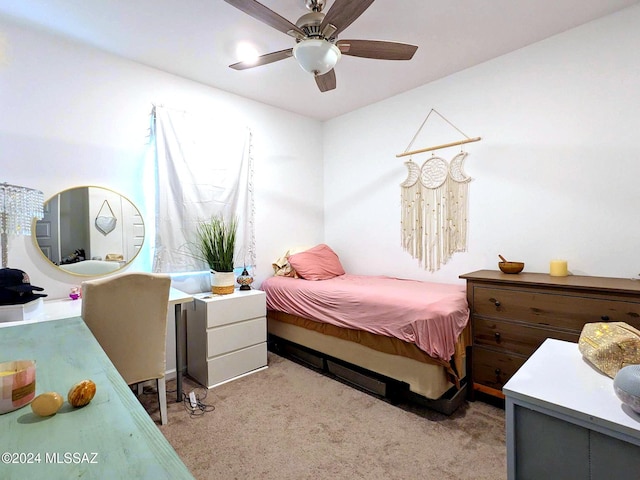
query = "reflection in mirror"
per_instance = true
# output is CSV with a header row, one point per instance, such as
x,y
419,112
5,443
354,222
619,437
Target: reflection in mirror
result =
x,y
89,231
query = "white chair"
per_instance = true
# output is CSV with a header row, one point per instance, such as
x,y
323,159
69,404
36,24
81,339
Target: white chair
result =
x,y
127,314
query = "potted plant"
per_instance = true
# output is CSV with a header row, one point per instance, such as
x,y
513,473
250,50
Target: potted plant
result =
x,y
215,244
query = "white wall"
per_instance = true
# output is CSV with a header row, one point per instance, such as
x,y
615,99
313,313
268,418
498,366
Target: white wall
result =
x,y
556,174
73,115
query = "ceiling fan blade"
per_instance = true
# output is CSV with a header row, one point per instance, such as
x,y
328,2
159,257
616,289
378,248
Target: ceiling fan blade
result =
x,y
265,15
327,81
264,59
377,49
343,13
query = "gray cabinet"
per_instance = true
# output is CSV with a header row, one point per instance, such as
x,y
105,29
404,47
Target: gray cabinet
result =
x,y
548,447
565,421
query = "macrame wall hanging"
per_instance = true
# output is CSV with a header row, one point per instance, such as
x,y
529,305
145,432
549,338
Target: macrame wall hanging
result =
x,y
434,203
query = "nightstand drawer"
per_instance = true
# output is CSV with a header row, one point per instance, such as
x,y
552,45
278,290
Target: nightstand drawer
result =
x,y
225,309
514,337
236,336
569,312
231,365
494,369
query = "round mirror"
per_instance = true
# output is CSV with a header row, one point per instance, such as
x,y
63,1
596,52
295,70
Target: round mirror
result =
x,y
89,231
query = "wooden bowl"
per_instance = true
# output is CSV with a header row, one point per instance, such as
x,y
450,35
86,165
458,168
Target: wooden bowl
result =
x,y
511,267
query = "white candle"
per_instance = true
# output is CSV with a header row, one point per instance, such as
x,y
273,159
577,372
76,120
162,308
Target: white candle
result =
x,y
558,268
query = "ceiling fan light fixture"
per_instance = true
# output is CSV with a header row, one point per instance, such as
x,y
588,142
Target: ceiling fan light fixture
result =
x,y
247,53
316,56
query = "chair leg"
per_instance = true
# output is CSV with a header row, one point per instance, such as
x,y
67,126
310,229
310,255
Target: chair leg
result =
x,y
162,400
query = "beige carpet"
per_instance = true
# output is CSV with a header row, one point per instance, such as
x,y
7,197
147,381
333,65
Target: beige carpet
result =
x,y
290,422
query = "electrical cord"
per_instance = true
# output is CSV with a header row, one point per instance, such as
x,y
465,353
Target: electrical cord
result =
x,y
200,408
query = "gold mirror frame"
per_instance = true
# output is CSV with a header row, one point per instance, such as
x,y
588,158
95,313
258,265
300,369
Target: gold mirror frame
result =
x,y
80,211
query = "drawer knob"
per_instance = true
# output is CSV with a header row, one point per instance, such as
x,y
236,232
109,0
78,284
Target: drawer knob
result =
x,y
604,318
498,372
495,302
497,335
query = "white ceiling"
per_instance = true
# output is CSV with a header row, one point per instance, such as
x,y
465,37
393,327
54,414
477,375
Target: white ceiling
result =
x,y
196,39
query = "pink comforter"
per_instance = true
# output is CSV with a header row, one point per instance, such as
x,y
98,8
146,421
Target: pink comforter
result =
x,y
431,315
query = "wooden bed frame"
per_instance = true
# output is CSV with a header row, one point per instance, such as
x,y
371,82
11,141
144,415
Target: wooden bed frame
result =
x,y
394,376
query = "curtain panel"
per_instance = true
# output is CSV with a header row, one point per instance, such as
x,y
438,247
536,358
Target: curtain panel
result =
x,y
204,168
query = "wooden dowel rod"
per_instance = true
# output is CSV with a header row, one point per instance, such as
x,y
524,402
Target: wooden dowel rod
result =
x,y
438,147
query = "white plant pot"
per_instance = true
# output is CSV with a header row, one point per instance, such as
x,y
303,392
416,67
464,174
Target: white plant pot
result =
x,y
223,283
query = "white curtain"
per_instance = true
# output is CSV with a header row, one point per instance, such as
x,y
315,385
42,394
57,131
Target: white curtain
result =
x,y
204,168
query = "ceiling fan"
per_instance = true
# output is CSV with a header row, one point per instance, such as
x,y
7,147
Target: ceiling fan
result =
x,y
317,47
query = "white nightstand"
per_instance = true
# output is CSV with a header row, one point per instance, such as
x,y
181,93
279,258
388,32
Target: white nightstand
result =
x,y
226,336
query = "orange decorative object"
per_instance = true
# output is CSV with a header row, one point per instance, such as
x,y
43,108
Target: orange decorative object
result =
x,y
81,393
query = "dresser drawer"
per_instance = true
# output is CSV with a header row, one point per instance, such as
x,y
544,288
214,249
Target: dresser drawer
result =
x,y
514,337
236,336
568,312
492,368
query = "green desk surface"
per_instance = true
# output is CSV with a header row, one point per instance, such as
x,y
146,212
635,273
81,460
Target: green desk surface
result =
x,y
113,437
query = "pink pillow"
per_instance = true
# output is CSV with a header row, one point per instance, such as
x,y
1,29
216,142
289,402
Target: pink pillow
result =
x,y
317,263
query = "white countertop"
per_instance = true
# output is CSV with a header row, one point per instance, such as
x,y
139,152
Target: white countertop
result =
x,y
50,310
67,308
557,378
178,297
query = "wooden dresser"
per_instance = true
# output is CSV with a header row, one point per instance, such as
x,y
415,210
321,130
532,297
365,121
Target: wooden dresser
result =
x,y
511,315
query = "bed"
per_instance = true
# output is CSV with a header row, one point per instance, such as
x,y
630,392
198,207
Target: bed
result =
x,y
394,337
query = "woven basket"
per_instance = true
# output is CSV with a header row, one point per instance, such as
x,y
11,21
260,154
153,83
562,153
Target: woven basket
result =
x,y
226,290
223,283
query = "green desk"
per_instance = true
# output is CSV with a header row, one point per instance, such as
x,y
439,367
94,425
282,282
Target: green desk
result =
x,y
112,437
